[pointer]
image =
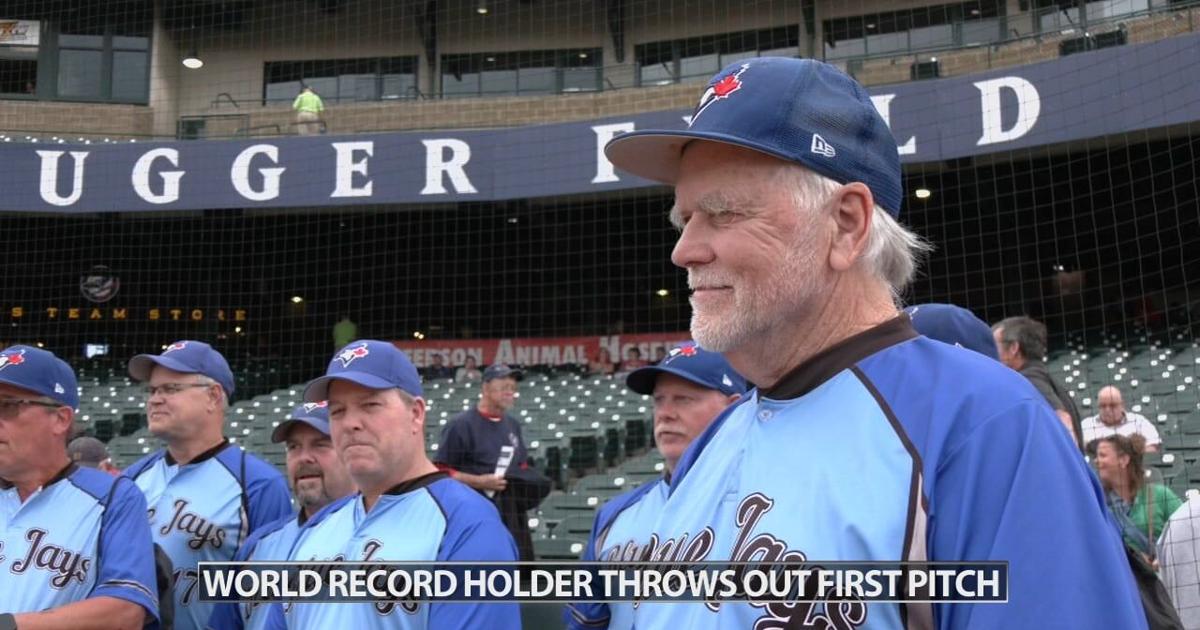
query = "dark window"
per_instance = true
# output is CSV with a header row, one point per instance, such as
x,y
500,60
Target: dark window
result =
x,y
341,80
522,72
920,28
103,53
669,61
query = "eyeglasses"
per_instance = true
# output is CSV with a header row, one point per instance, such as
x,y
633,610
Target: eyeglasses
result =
x,y
170,389
11,407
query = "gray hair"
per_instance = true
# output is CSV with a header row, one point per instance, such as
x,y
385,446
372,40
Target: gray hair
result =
x,y
1028,333
892,253
206,380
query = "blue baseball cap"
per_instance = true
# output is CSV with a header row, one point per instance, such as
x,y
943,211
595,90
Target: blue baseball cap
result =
x,y
40,372
370,363
186,357
955,325
693,363
500,370
314,414
798,110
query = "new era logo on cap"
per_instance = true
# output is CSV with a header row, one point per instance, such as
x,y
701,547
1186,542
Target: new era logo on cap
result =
x,y
820,147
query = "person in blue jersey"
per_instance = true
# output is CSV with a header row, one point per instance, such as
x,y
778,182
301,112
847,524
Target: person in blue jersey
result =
x,y
405,510
75,548
691,386
205,494
862,440
317,477
954,325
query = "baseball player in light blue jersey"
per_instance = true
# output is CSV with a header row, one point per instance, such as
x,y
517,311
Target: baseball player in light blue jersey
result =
x,y
691,387
317,477
863,441
405,510
75,549
205,494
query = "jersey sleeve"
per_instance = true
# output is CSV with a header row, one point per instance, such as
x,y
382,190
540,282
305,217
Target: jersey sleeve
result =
x,y
126,556
1015,489
1180,569
1151,434
474,533
586,615
225,616
269,499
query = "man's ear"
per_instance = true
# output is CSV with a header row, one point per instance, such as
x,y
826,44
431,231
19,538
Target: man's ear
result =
x,y
852,210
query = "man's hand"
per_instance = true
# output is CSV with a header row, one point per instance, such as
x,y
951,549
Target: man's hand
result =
x,y
494,483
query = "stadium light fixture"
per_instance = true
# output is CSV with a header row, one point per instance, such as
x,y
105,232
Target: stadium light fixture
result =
x,y
418,334
237,329
922,193
296,299
482,8
193,61
662,293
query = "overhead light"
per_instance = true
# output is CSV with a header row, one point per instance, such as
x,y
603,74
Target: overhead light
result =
x,y
296,299
418,334
482,9
662,293
237,329
41,345
193,61
974,11
513,220
922,193
491,59
933,58
871,25
583,55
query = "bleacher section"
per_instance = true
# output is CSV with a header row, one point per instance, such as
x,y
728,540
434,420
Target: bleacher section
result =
x,y
593,437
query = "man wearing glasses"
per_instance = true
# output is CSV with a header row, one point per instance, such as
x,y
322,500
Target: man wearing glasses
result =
x,y
75,548
205,494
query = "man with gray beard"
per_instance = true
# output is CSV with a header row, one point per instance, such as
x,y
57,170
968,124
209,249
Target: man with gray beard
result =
x,y
863,440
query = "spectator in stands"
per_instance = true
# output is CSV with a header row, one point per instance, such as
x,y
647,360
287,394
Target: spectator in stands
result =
x,y
953,325
317,477
438,369
691,387
344,331
1021,344
634,361
88,451
310,112
603,365
1141,509
1179,561
1114,420
468,373
483,448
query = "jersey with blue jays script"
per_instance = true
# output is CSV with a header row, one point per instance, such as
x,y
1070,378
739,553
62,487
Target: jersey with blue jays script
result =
x,y
272,541
82,535
621,518
204,510
431,518
893,447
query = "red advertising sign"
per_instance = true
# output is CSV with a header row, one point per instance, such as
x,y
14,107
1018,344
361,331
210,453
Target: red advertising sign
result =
x,y
540,350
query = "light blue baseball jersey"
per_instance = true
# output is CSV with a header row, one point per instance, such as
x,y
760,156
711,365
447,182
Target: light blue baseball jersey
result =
x,y
204,510
82,535
891,447
432,518
621,518
273,541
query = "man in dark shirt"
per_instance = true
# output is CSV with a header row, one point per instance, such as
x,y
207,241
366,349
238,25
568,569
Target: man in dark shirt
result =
x,y
483,448
1021,344
438,369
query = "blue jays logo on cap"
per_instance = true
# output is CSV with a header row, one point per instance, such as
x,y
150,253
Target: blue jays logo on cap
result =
x,y
719,88
178,345
312,406
692,363
348,355
8,358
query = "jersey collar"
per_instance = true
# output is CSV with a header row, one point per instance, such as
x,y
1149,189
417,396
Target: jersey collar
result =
x,y
417,482
840,356
71,467
209,454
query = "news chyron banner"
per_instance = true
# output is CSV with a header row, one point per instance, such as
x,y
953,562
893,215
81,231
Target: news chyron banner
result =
x,y
411,584
550,351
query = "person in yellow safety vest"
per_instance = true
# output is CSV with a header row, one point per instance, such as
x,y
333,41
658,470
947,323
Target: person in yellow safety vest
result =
x,y
310,112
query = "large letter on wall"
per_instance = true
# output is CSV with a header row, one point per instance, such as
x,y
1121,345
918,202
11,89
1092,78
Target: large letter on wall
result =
x,y
883,105
604,168
49,185
347,167
240,173
436,167
141,176
1029,105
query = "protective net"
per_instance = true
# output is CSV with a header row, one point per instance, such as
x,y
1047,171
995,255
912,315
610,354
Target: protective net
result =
x,y
167,176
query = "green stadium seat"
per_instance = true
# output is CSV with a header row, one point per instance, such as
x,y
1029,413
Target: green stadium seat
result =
x,y
558,548
541,616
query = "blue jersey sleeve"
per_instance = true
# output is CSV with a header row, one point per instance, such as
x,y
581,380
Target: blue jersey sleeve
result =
x,y
126,557
268,498
1015,489
228,615
473,533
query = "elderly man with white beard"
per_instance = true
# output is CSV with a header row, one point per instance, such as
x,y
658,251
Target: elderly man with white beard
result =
x,y
863,440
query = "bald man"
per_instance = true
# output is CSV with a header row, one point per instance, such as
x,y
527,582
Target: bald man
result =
x,y
1114,420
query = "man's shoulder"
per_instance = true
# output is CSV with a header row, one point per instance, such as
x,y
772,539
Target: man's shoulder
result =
x,y
145,463
238,461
